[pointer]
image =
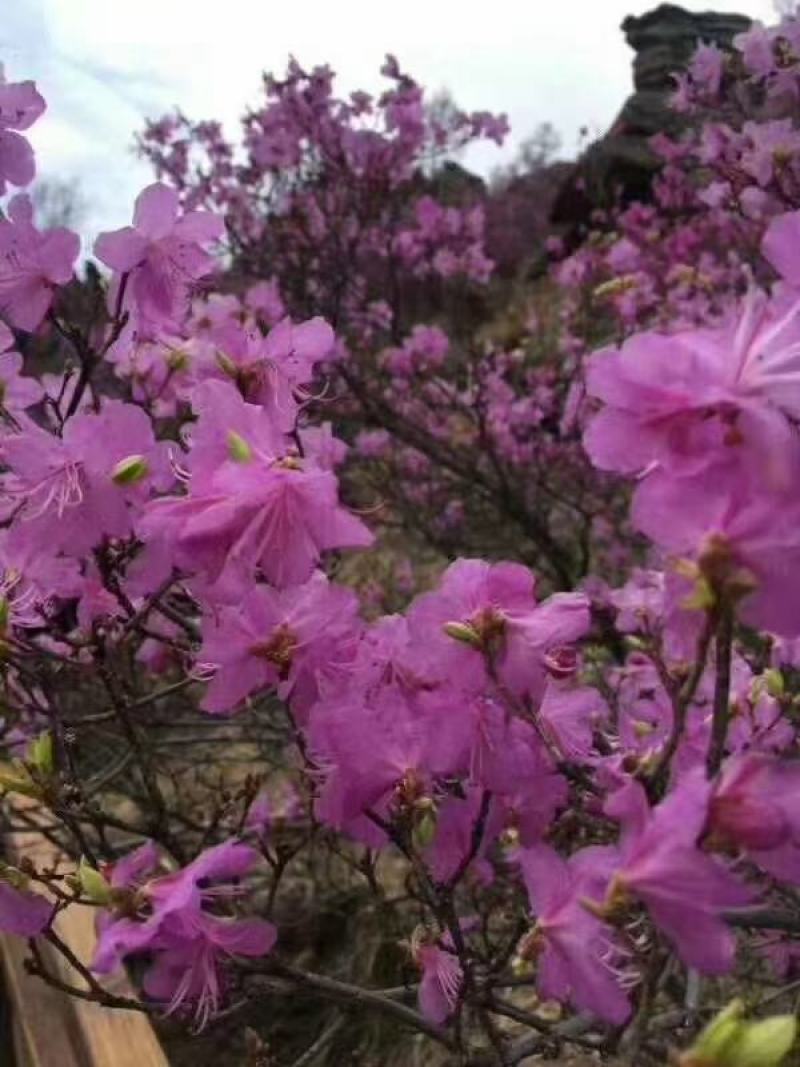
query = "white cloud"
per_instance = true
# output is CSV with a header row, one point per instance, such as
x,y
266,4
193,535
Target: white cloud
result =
x,y
104,67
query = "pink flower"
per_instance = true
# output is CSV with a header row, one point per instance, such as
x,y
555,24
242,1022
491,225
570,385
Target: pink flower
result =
x,y
483,612
684,890
281,638
163,255
22,912
68,492
734,535
756,806
376,754
270,371
265,300
20,106
696,398
167,916
441,980
249,507
569,715
277,515
780,243
478,737
188,972
578,960
33,264
226,426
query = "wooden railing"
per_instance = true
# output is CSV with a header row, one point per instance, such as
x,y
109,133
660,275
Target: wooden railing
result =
x,y
49,1028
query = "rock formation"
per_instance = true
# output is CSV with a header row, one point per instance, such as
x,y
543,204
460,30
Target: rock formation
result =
x,y
622,162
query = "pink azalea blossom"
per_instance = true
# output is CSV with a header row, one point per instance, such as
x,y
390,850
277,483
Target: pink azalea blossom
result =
x,y
278,637
188,971
20,106
780,246
441,980
702,397
249,506
482,612
68,492
577,958
735,533
166,915
270,371
374,756
684,890
756,806
276,515
162,255
33,263
22,912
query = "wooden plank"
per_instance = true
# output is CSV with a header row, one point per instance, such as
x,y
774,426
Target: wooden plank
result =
x,y
53,1030
45,1032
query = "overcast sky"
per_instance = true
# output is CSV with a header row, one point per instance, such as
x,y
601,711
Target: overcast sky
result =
x,y
104,65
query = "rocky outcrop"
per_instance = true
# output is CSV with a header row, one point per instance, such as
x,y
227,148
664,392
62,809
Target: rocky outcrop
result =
x,y
621,162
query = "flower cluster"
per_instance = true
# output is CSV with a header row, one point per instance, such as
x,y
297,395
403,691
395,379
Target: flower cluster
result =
x,y
589,790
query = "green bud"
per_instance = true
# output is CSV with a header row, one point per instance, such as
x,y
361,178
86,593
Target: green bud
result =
x,y
227,365
716,1043
615,286
130,470
764,1043
16,778
773,679
701,598
5,612
93,884
634,643
238,448
40,753
521,968
460,631
13,877
425,829
178,360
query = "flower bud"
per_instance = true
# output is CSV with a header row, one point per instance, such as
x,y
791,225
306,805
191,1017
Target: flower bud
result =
x,y
290,463
521,968
227,365
14,877
714,1044
773,680
701,598
425,829
178,360
40,753
460,631
634,643
561,662
765,1043
719,567
615,286
16,778
642,729
93,884
130,470
238,448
